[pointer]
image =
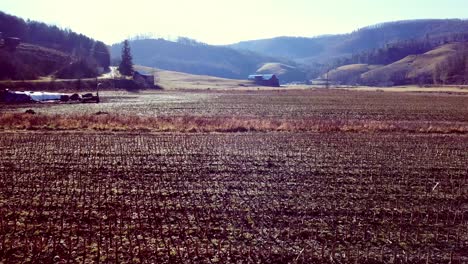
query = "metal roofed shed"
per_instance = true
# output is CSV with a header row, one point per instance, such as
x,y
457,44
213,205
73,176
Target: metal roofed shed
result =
x,y
26,97
8,96
44,96
265,79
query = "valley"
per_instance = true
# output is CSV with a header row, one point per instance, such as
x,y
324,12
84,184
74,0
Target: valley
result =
x,y
171,155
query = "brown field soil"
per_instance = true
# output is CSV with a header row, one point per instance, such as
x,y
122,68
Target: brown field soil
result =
x,y
248,197
326,176
449,89
316,104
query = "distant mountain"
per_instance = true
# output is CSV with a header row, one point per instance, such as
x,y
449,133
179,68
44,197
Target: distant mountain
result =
x,y
297,48
195,58
329,47
353,58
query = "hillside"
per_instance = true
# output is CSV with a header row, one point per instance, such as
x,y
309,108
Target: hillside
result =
x,y
178,80
289,47
31,61
47,49
285,73
299,58
194,58
445,64
328,47
349,74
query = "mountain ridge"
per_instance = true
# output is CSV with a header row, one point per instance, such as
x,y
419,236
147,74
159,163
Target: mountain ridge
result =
x,y
195,58
326,47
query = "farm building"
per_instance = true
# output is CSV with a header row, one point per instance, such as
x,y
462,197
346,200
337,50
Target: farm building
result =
x,y
265,79
18,97
27,97
9,42
143,79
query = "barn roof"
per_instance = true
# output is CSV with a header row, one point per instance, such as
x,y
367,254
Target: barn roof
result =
x,y
143,73
265,77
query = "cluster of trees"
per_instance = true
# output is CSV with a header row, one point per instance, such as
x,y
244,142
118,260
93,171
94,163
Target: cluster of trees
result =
x,y
190,41
452,70
87,51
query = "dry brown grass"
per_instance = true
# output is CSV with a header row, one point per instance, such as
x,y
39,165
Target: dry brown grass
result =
x,y
170,80
118,122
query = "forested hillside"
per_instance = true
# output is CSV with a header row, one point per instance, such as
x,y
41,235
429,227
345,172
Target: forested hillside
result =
x,y
446,64
82,50
329,47
395,51
29,61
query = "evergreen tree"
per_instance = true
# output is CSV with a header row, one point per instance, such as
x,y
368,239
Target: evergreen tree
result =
x,y
126,64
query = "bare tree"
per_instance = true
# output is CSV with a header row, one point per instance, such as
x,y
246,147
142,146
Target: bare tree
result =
x,y
327,80
466,69
436,74
442,71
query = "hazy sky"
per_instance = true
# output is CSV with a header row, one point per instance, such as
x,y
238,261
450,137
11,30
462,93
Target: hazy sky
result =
x,y
225,21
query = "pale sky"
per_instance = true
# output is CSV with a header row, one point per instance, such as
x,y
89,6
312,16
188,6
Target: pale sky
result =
x,y
225,21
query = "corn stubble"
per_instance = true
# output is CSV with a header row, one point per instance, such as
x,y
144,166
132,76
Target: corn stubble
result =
x,y
234,197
